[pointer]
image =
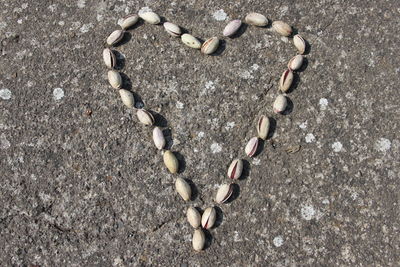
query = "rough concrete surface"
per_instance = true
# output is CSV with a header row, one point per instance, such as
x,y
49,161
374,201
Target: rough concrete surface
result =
x,y
83,185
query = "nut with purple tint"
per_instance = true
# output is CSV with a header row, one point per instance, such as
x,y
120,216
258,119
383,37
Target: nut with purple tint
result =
x,y
286,80
251,147
235,169
224,193
208,218
232,27
115,37
295,62
145,117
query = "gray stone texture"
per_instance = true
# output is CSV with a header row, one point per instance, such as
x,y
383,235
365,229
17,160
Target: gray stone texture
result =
x,y
83,185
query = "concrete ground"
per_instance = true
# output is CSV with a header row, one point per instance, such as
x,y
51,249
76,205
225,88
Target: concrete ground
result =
x,y
83,185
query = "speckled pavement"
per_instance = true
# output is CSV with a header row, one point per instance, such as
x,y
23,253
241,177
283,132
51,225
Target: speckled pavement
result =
x,y
83,185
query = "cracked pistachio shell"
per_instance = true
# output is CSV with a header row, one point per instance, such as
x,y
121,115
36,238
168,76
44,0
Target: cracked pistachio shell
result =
x,y
115,37
171,162
280,104
150,17
282,28
210,46
232,27
129,21
299,43
251,147
235,169
263,127
127,98
115,79
198,240
172,29
224,193
256,19
158,138
193,217
286,80
109,58
145,117
191,41
208,218
183,188
296,62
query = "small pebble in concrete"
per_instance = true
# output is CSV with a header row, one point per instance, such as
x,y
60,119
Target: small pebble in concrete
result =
x,y
307,212
383,144
216,148
58,93
323,103
5,94
310,138
278,241
337,146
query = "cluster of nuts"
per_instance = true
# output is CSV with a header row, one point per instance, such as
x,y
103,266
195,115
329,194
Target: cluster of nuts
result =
x,y
207,220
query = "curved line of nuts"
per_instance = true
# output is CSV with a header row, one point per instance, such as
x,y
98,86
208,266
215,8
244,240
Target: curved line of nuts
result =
x,y
207,220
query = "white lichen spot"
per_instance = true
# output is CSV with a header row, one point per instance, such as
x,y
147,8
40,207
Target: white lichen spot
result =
x,y
86,27
307,212
255,67
323,103
337,146
230,125
81,3
4,143
5,94
278,241
200,135
179,105
256,161
144,10
220,15
310,138
210,85
58,93
19,21
383,144
303,125
215,148
61,23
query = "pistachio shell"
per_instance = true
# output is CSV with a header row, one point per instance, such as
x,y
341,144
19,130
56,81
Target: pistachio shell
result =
x,y
208,218
198,240
282,28
172,29
263,127
115,37
150,17
171,161
232,27
183,188
115,79
280,104
286,80
193,217
296,62
129,21
235,169
256,19
210,46
191,41
158,138
299,43
224,193
145,117
251,147
109,58
127,98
